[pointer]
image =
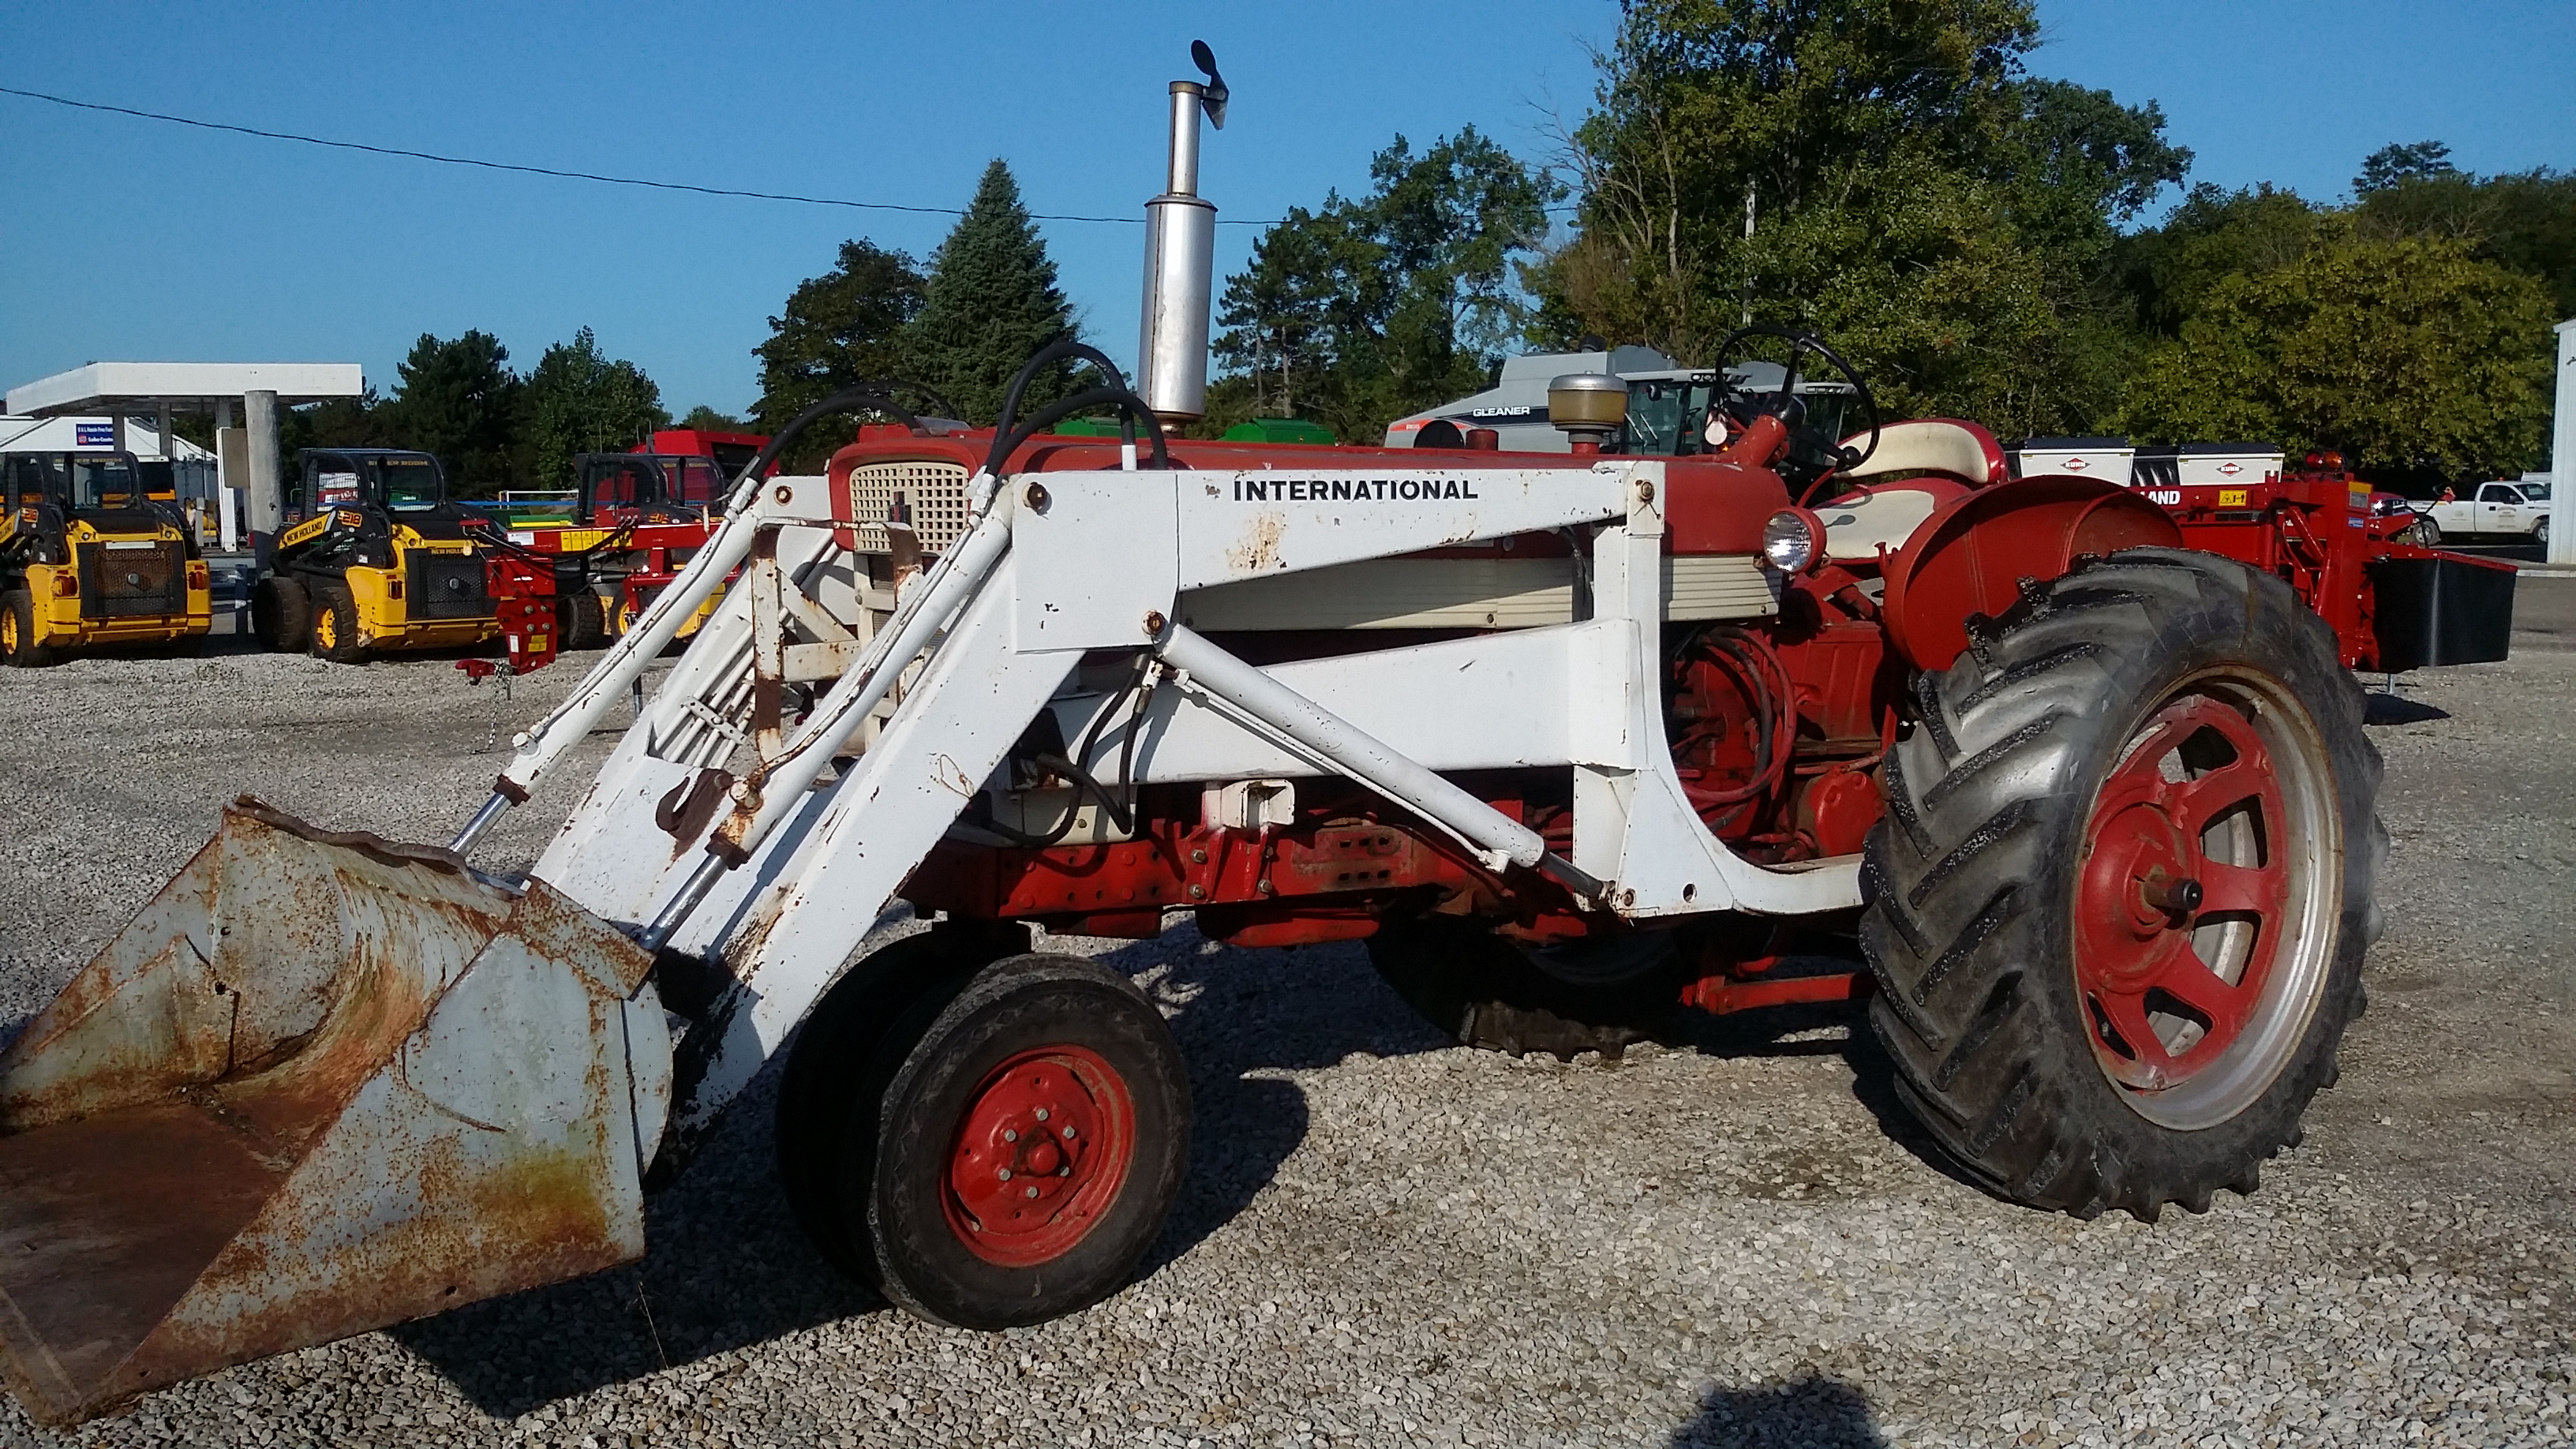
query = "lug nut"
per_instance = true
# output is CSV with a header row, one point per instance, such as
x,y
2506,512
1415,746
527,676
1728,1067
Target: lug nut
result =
x,y
1033,1192
1004,1174
1042,1114
1010,1136
1068,1134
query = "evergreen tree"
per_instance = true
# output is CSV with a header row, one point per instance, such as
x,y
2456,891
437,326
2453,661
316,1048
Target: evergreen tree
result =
x,y
460,400
843,327
992,300
579,401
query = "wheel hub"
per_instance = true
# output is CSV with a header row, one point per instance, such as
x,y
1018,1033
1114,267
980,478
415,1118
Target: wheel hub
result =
x,y
1043,1149
2184,895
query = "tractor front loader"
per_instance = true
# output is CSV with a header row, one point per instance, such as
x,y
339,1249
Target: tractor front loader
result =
x,y
1554,736
374,558
90,558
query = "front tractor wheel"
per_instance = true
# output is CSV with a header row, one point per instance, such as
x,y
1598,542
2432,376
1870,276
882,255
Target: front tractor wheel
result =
x,y
1008,1153
336,636
18,646
2120,899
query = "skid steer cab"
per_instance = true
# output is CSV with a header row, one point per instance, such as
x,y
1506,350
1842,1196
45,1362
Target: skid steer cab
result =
x,y
373,558
90,558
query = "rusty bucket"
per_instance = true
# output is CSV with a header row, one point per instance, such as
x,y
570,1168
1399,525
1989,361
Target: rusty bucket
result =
x,y
320,1085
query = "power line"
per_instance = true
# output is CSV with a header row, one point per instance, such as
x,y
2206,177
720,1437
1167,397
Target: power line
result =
x,y
578,175
551,171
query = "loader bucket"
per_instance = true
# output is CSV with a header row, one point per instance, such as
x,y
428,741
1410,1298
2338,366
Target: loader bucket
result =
x,y
320,1085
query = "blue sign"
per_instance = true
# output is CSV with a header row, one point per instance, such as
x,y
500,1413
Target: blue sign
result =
x,y
93,435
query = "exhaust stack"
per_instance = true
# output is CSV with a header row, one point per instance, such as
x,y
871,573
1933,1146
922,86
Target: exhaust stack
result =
x,y
1180,260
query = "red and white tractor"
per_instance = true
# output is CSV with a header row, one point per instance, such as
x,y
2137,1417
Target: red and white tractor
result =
x,y
1549,735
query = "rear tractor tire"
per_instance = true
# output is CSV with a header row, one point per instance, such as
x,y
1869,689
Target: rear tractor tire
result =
x,y
1489,993
336,636
2119,902
1000,1149
18,646
281,615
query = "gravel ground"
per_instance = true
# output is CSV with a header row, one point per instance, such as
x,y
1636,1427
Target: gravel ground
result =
x,y
1388,1242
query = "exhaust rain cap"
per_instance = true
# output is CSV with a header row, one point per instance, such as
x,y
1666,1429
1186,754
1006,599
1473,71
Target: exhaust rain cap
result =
x,y
1212,100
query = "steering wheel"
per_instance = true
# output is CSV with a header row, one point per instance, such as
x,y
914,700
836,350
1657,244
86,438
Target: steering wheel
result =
x,y
1784,404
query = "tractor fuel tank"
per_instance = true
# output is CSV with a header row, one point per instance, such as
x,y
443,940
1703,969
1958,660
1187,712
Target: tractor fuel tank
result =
x,y
321,1084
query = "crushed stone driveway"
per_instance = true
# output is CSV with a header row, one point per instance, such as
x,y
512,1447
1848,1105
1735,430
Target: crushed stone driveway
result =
x,y
1385,1241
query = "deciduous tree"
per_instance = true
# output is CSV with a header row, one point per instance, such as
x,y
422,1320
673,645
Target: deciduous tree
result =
x,y
581,401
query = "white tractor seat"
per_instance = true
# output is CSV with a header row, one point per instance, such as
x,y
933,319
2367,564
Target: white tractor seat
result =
x,y
1946,446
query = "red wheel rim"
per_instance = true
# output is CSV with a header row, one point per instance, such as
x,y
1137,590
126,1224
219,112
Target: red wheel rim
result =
x,y
1045,1146
2185,895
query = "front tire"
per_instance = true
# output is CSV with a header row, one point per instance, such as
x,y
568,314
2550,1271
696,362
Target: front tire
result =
x,y
2119,903
336,636
2427,532
18,646
2540,534
1010,1160
281,615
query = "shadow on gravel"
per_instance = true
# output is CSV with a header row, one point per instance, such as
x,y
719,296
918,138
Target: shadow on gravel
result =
x,y
1810,1414
1874,1086
2380,708
726,1268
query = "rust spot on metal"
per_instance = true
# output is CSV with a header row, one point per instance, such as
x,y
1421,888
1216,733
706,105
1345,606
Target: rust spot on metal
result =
x,y
218,1143
1259,551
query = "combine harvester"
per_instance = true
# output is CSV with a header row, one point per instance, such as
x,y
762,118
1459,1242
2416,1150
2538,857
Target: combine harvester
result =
x,y
2098,807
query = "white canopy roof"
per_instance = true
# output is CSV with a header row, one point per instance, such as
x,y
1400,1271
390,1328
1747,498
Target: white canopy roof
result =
x,y
104,387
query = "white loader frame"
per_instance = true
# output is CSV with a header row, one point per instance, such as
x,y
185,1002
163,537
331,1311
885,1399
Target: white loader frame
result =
x,y
814,842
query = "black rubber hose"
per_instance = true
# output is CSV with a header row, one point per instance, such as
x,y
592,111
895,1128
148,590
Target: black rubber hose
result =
x,y
1057,350
863,397
1004,445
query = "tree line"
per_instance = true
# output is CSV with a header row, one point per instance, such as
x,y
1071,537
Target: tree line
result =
x,y
962,326
1892,176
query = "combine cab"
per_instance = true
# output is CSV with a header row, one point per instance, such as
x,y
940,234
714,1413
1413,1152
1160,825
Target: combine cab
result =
x,y
1572,741
90,558
374,558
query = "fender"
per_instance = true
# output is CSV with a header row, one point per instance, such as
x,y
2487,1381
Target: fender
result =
x,y
1973,555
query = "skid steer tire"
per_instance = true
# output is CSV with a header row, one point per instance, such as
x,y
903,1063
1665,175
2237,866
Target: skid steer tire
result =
x,y
2118,906
580,623
1026,1150
1485,992
18,646
281,615
335,625
844,1055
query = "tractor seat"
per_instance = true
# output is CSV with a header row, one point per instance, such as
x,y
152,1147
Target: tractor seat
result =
x,y
1946,446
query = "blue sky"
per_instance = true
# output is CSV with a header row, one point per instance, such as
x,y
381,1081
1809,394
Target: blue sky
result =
x,y
131,240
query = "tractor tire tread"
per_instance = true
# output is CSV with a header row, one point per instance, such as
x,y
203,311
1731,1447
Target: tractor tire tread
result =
x,y
1987,1048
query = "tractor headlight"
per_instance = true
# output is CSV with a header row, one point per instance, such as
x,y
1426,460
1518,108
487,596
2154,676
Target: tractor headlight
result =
x,y
1793,541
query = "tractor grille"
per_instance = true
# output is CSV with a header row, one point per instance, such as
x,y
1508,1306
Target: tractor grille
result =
x,y
929,496
122,581
446,586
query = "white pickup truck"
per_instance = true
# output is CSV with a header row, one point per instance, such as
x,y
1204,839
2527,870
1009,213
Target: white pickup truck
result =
x,y
2499,509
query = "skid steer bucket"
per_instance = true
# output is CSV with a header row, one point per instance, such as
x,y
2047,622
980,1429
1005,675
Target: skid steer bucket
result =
x,y
320,1085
